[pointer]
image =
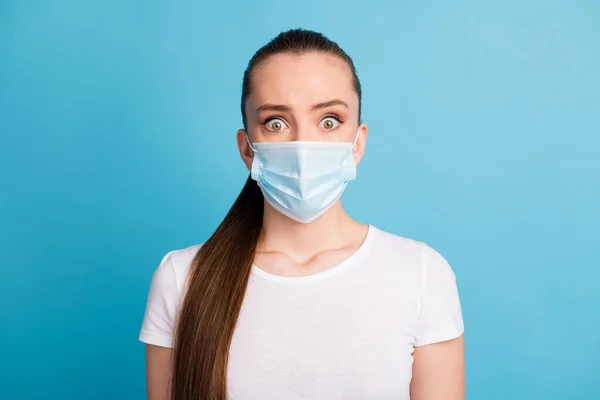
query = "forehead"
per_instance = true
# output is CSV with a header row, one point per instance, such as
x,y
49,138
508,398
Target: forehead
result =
x,y
302,80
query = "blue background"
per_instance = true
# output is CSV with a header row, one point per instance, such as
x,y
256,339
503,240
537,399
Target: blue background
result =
x,y
118,121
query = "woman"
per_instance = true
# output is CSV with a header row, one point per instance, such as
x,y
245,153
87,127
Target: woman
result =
x,y
291,298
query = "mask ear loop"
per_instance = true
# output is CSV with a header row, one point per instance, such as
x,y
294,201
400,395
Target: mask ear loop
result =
x,y
355,139
249,143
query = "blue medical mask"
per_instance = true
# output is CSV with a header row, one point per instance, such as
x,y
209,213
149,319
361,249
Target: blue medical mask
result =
x,y
303,180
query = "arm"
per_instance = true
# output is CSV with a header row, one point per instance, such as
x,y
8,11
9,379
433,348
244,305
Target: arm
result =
x,y
439,371
157,330
158,372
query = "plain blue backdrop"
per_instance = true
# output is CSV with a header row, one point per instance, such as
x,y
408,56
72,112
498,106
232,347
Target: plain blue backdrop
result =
x,y
118,121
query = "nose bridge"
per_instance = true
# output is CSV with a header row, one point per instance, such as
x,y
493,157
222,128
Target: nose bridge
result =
x,y
305,131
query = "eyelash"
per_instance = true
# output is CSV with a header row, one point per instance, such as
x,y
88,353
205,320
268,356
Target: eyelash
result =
x,y
264,122
334,117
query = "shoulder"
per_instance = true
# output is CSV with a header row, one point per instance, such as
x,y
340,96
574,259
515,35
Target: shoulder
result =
x,y
175,265
395,243
408,252
164,296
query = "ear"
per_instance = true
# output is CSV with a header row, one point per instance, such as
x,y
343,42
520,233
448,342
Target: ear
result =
x,y
361,142
244,148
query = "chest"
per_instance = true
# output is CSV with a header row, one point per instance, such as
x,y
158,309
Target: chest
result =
x,y
338,344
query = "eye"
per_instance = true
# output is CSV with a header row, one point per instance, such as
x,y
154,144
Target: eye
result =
x,y
275,124
330,123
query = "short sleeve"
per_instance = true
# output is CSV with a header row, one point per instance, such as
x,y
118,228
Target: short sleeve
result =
x,y
440,315
161,306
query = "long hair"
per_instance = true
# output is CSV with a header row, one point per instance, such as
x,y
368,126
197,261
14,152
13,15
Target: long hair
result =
x,y
219,273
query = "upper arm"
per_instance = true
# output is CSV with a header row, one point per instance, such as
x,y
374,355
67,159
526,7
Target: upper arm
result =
x,y
157,330
439,371
158,372
438,368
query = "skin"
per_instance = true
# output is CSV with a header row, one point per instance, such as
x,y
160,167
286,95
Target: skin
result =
x,y
310,97
158,372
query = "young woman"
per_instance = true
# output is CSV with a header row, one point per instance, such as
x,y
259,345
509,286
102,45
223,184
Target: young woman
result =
x,y
291,298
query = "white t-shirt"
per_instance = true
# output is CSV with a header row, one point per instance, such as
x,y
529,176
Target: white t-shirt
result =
x,y
346,333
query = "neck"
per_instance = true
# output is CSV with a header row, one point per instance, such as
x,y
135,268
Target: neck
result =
x,y
329,231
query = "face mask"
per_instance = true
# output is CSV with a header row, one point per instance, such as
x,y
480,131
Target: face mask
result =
x,y
303,180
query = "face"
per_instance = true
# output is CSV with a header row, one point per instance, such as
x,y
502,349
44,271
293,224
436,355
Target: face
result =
x,y
306,97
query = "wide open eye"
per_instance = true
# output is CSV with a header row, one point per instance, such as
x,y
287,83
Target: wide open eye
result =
x,y
276,124
329,123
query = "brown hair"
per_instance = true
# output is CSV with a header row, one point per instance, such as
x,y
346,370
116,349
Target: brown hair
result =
x,y
220,270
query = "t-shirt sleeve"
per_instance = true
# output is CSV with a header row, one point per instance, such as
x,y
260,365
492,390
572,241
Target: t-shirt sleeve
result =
x,y
440,315
161,306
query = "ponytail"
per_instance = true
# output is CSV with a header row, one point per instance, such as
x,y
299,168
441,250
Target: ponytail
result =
x,y
220,271
214,293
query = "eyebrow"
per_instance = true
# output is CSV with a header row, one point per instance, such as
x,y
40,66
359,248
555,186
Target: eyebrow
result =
x,y
274,107
330,103
287,108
